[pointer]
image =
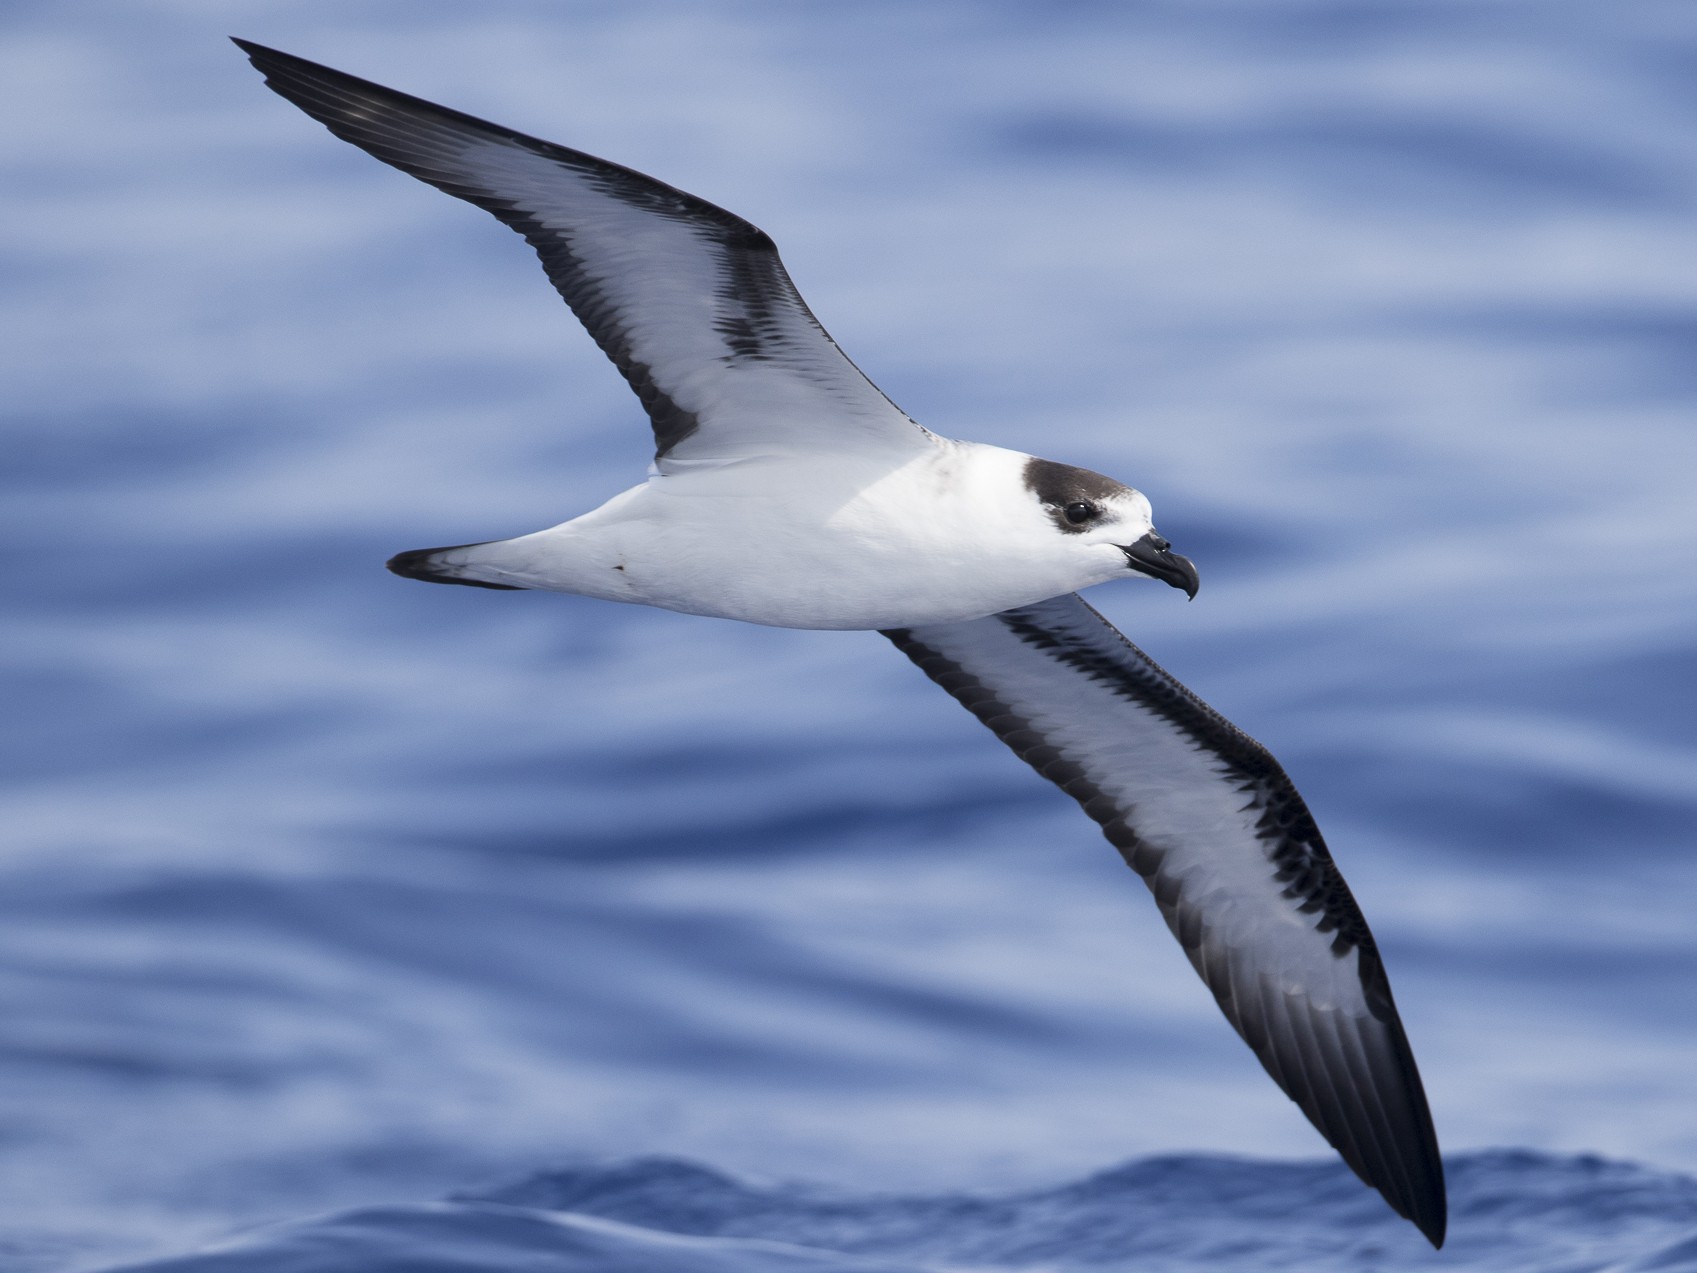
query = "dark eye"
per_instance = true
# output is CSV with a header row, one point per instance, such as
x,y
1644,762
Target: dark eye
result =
x,y
1080,512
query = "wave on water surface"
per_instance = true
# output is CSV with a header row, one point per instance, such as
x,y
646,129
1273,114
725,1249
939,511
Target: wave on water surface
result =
x,y
1512,1211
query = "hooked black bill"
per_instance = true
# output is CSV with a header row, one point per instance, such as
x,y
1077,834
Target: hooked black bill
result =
x,y
1154,556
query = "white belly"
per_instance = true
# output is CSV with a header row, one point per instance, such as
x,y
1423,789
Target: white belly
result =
x,y
826,580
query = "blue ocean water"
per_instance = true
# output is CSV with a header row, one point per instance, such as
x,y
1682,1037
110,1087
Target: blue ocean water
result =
x,y
1517,1211
327,894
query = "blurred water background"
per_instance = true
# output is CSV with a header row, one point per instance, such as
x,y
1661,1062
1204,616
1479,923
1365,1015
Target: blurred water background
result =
x,y
323,890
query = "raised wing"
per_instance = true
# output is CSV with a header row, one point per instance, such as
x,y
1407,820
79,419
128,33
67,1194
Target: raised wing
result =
x,y
1210,821
690,302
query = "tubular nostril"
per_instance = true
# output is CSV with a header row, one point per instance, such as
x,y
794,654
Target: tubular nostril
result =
x,y
1162,544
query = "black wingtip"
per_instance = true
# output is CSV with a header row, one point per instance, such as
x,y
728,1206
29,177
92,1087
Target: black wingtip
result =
x,y
1432,1219
416,565
270,61
1420,1197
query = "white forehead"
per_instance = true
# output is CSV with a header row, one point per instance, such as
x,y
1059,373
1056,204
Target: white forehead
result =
x,y
1134,504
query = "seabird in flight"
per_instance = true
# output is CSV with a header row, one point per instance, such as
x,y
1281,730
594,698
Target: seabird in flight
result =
x,y
787,490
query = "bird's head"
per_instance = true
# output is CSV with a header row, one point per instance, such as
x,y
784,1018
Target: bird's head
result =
x,y
1103,517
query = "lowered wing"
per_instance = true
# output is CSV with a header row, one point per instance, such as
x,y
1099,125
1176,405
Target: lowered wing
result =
x,y
1210,821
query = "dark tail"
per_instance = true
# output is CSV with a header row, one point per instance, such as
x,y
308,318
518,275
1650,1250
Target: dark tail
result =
x,y
417,564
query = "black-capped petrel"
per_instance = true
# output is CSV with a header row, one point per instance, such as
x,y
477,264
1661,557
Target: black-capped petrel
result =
x,y
787,490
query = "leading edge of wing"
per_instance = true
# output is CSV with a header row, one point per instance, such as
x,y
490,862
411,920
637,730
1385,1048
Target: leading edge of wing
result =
x,y
690,302
1211,822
